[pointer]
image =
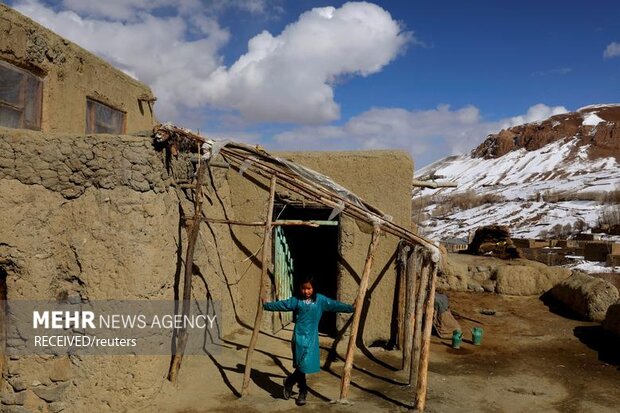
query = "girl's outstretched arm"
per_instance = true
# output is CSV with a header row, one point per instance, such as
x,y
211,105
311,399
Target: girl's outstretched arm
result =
x,y
282,305
336,306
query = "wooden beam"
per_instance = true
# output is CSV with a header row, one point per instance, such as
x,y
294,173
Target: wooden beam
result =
x,y
233,222
433,184
410,288
263,288
282,222
359,303
182,336
419,317
318,223
426,344
403,252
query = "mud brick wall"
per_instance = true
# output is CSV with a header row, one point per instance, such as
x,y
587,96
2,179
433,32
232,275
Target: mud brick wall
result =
x,y
70,75
98,218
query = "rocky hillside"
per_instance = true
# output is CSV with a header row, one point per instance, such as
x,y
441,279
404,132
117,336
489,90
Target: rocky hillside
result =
x,y
596,126
538,178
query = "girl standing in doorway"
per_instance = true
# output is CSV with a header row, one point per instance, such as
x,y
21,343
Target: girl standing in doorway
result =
x,y
308,308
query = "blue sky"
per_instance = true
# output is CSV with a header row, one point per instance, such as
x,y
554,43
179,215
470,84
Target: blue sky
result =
x,y
429,77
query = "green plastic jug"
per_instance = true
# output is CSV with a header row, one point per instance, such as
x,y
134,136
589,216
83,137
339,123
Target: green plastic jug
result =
x,y
457,338
476,335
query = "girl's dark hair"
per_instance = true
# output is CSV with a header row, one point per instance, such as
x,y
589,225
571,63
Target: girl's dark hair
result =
x,y
307,279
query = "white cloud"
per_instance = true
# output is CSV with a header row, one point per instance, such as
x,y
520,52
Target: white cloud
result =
x,y
290,77
125,10
283,78
152,48
426,135
612,50
535,113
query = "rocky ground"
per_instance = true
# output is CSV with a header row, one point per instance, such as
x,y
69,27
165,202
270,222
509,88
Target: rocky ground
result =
x,y
531,359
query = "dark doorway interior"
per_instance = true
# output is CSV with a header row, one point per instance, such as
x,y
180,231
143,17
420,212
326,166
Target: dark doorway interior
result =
x,y
314,252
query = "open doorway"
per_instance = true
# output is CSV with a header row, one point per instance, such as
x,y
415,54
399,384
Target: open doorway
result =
x,y
307,251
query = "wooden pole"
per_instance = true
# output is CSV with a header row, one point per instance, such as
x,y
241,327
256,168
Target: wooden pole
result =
x,y
433,184
282,223
410,286
359,301
263,288
403,253
419,315
182,337
426,344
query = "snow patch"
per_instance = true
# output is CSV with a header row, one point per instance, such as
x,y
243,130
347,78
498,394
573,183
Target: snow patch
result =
x,y
601,105
592,119
524,179
590,267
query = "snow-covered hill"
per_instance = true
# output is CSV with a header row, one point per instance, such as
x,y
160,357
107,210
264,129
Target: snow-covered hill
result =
x,y
535,176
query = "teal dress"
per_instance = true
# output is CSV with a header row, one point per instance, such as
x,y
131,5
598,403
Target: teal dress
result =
x,y
306,355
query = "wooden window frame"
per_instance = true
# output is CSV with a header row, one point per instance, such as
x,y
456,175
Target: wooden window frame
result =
x,y
26,78
91,120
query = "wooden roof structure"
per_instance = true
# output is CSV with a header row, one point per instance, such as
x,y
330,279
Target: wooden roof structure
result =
x,y
422,255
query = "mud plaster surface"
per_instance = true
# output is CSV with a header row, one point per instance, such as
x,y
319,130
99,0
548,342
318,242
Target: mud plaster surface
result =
x,y
530,360
95,218
70,74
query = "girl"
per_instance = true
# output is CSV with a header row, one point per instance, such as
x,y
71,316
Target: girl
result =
x,y
308,308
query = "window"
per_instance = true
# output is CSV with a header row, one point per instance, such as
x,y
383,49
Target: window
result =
x,y
101,118
20,98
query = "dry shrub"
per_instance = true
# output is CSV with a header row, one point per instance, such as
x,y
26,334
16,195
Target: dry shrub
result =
x,y
609,216
417,208
564,196
464,200
602,197
613,197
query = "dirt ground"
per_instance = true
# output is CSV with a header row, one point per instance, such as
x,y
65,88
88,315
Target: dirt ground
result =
x,y
531,359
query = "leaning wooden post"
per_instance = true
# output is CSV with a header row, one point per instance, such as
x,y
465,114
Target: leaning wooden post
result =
x,y
182,337
410,306
419,316
263,288
426,344
403,252
359,303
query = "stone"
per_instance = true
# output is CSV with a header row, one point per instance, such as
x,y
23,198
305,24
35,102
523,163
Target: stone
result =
x,y
33,403
14,398
15,409
474,286
18,383
56,407
480,277
52,392
587,296
489,286
528,280
60,370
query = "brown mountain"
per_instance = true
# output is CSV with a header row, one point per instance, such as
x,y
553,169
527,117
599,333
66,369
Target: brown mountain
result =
x,y
596,125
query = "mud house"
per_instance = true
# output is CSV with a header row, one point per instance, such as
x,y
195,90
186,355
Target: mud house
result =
x,y
454,244
98,218
89,217
49,84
